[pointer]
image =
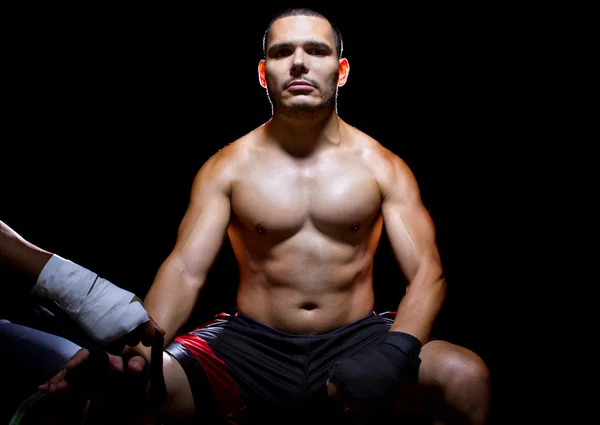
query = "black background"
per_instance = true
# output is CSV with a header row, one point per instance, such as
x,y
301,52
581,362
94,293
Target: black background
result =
x,y
113,108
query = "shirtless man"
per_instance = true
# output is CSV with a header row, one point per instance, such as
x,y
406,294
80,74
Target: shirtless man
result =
x,y
303,199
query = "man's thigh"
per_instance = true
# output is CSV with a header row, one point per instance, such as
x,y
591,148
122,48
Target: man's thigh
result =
x,y
179,406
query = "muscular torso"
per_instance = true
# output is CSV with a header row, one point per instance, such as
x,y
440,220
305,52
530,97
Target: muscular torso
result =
x,y
304,232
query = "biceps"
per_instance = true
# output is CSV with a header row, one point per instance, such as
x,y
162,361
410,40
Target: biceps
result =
x,y
411,232
201,235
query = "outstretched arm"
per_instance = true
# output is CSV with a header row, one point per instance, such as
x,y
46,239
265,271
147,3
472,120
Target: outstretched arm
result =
x,y
179,280
413,239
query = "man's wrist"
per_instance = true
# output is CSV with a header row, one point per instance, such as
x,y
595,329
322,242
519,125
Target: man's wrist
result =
x,y
405,342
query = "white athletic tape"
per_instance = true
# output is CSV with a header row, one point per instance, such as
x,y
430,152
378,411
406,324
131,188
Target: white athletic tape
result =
x,y
106,313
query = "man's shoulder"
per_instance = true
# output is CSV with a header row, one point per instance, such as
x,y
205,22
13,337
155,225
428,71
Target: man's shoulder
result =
x,y
387,166
226,163
376,155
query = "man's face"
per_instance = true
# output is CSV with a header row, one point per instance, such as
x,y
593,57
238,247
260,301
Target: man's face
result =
x,y
302,68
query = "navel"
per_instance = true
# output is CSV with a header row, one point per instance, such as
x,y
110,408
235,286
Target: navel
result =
x,y
308,306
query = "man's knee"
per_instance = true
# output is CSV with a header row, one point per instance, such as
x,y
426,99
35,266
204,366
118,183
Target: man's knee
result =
x,y
473,372
469,373
448,375
450,366
456,382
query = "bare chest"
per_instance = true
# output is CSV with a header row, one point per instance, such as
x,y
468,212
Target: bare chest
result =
x,y
338,193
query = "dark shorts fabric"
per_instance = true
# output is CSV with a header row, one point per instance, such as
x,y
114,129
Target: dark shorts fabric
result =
x,y
242,371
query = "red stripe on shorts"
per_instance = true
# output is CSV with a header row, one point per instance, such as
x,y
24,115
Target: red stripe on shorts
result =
x,y
224,387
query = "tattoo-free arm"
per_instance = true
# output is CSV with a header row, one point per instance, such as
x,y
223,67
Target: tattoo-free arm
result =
x,y
412,235
179,280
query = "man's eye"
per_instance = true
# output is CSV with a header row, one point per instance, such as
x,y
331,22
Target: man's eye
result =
x,y
280,53
318,52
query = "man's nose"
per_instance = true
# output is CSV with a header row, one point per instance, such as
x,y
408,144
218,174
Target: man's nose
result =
x,y
299,63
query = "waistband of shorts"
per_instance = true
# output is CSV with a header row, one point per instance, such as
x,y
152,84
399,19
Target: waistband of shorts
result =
x,y
259,325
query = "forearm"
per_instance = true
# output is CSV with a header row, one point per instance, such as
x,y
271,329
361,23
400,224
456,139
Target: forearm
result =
x,y
171,300
21,255
422,303
172,297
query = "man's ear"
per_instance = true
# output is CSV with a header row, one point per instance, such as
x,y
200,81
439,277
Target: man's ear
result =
x,y
344,71
261,73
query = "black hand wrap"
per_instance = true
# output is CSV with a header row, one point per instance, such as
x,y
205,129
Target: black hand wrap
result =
x,y
374,374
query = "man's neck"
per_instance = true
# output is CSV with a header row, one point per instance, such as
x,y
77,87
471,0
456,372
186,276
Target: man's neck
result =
x,y
306,136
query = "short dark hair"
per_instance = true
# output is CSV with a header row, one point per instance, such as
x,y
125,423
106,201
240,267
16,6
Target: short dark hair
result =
x,y
337,35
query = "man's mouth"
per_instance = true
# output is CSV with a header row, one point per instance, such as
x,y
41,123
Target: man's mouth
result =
x,y
300,85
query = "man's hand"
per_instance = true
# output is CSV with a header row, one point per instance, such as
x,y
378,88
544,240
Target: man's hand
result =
x,y
372,376
100,376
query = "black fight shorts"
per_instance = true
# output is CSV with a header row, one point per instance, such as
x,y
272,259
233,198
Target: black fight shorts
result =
x,y
242,371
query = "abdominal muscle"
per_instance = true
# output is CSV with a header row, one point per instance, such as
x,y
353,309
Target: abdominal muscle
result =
x,y
299,290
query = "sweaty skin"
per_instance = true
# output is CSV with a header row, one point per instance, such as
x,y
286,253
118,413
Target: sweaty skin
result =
x,y
304,232
305,241
303,199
